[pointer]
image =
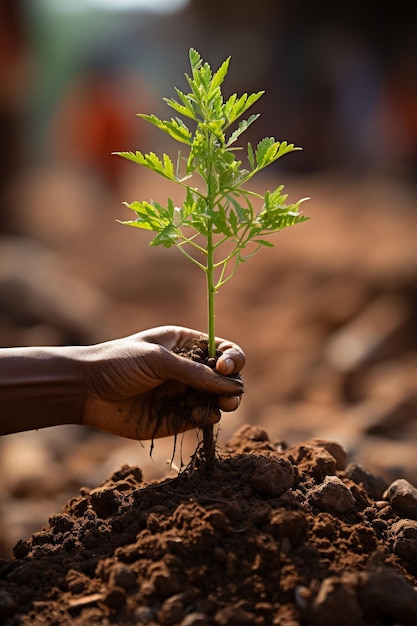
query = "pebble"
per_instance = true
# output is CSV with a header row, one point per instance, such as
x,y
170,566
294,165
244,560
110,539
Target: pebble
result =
x,y
164,583
313,461
104,502
172,610
337,451
332,496
373,485
302,596
233,616
195,619
388,595
144,615
402,496
115,598
122,576
336,597
403,534
274,476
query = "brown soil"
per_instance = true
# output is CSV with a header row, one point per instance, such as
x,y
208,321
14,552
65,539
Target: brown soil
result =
x,y
268,535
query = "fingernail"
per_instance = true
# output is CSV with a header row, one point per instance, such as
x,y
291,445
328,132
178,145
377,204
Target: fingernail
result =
x,y
228,365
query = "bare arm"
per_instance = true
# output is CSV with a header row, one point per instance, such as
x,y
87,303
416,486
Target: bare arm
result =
x,y
135,387
40,387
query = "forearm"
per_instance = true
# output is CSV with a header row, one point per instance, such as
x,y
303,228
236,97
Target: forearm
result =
x,y
40,387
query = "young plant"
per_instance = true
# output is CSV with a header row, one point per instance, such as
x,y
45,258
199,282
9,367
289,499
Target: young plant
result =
x,y
221,223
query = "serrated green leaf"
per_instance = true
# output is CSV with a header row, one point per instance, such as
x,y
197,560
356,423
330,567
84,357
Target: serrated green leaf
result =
x,y
243,125
135,157
153,162
219,76
135,224
264,242
275,197
228,107
167,237
265,148
182,109
195,59
185,99
241,212
220,221
168,167
175,128
251,156
233,222
241,105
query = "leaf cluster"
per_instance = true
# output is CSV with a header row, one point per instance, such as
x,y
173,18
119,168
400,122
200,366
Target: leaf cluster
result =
x,y
221,208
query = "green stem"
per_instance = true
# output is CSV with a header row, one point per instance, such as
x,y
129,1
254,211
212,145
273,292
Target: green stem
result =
x,y
208,432
211,291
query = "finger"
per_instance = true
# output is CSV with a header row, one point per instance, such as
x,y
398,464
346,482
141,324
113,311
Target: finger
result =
x,y
196,375
232,360
228,403
200,416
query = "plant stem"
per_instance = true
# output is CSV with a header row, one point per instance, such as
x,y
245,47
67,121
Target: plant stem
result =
x,y
211,292
208,436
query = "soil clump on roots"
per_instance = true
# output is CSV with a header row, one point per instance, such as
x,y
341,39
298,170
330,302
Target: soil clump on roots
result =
x,y
268,534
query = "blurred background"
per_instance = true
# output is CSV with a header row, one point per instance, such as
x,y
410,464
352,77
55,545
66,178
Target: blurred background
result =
x,y
327,318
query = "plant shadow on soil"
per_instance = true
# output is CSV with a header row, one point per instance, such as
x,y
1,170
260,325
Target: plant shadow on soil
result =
x,y
266,535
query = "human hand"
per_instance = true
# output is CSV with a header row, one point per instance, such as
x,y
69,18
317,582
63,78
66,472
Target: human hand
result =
x,y
137,387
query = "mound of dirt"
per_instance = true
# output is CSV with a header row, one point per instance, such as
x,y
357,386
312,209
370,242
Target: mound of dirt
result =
x,y
268,535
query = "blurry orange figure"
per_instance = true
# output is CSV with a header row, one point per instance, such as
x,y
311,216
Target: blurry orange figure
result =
x,y
92,121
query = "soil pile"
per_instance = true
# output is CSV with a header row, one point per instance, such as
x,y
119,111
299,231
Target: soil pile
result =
x,y
269,535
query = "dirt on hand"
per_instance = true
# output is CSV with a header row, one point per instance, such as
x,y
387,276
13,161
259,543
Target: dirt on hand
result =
x,y
267,535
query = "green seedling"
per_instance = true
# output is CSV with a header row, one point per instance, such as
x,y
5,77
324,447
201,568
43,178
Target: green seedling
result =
x,y
221,223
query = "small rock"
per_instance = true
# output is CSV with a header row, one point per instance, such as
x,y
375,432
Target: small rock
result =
x,y
60,523
249,431
292,525
162,582
195,619
129,473
172,610
250,438
335,449
77,582
144,615
122,576
388,595
21,549
402,496
302,596
312,461
332,496
233,616
403,534
373,485
336,604
115,598
274,476
104,502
